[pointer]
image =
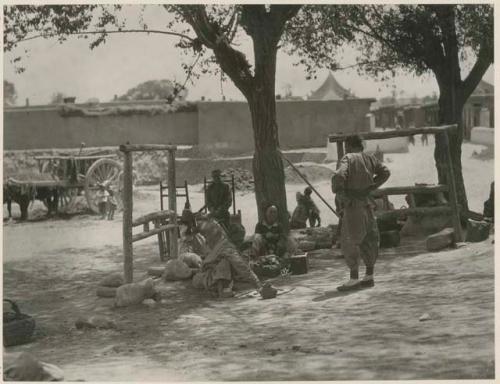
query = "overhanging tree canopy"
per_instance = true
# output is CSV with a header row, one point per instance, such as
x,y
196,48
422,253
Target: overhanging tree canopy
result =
x,y
416,38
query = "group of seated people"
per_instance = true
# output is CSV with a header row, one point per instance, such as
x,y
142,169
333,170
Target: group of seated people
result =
x,y
210,237
223,262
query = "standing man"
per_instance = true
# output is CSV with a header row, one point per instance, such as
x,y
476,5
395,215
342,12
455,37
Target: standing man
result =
x,y
219,199
357,176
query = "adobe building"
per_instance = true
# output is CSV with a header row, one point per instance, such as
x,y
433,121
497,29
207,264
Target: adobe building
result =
x,y
222,126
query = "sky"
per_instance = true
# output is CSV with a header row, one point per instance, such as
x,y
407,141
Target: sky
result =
x,y
126,60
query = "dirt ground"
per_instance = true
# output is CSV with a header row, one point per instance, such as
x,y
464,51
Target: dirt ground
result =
x,y
52,267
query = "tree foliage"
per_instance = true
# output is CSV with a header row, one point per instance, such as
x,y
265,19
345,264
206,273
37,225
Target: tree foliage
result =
x,y
210,32
155,90
9,94
415,38
438,39
57,98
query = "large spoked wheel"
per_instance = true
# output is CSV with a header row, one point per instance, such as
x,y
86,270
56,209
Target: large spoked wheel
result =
x,y
108,172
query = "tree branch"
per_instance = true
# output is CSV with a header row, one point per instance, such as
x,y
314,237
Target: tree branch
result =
x,y
483,62
231,61
108,32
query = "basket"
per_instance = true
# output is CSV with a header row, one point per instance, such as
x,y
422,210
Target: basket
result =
x,y
18,327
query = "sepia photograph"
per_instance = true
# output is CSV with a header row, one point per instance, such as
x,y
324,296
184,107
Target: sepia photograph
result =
x,y
248,192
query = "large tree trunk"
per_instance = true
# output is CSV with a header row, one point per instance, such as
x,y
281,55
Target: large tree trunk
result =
x,y
451,103
268,168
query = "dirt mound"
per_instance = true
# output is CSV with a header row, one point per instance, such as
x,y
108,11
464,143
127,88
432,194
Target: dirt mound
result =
x,y
312,172
243,179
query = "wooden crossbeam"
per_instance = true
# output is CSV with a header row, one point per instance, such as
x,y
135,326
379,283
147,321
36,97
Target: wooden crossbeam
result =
x,y
147,147
152,232
152,217
333,138
409,190
423,211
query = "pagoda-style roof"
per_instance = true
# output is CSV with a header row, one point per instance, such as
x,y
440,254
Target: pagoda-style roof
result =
x,y
331,90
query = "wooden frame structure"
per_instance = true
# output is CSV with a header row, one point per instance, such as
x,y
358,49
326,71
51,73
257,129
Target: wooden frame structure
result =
x,y
451,209
159,219
184,188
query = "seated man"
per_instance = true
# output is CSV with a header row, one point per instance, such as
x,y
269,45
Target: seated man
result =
x,y
219,199
312,209
300,213
270,237
222,264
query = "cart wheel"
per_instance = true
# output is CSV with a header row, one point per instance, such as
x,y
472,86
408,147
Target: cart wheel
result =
x,y
104,171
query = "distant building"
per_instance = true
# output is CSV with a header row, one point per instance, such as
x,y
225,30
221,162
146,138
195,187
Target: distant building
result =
x,y
479,110
331,90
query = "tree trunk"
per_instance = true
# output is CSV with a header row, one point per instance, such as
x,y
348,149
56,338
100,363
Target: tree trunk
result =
x,y
451,103
268,167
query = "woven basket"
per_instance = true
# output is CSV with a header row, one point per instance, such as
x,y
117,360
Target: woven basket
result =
x,y
18,327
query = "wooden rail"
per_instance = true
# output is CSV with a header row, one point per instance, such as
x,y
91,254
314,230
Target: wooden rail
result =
x,y
147,147
73,157
418,211
160,215
409,190
151,232
333,138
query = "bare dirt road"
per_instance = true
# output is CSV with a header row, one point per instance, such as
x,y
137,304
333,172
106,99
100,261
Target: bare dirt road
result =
x,y
52,268
310,333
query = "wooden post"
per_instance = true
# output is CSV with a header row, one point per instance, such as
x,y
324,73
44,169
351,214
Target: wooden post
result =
x,y
234,194
205,193
127,218
340,152
452,191
161,196
161,245
187,191
172,203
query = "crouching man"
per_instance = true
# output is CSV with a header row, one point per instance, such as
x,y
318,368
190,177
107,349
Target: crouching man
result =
x,y
357,175
222,264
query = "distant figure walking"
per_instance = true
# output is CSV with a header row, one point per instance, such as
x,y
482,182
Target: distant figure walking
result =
x,y
425,139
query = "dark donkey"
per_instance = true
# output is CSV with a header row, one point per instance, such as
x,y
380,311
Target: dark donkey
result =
x,y
23,195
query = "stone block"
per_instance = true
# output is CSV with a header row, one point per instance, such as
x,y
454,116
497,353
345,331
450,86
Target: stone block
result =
x,y
112,281
106,292
389,239
440,240
156,271
477,231
306,245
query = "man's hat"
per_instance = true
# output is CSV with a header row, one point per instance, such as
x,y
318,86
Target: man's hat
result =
x,y
216,172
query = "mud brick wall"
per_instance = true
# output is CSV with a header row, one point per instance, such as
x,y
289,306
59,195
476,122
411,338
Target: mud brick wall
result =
x,y
222,126
43,128
301,123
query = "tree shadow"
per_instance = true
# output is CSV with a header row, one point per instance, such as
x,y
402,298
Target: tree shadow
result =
x,y
333,294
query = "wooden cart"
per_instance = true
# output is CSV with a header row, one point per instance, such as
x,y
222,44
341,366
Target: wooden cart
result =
x,y
74,174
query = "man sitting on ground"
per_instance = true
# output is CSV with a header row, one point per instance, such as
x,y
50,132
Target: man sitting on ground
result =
x,y
270,237
223,264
